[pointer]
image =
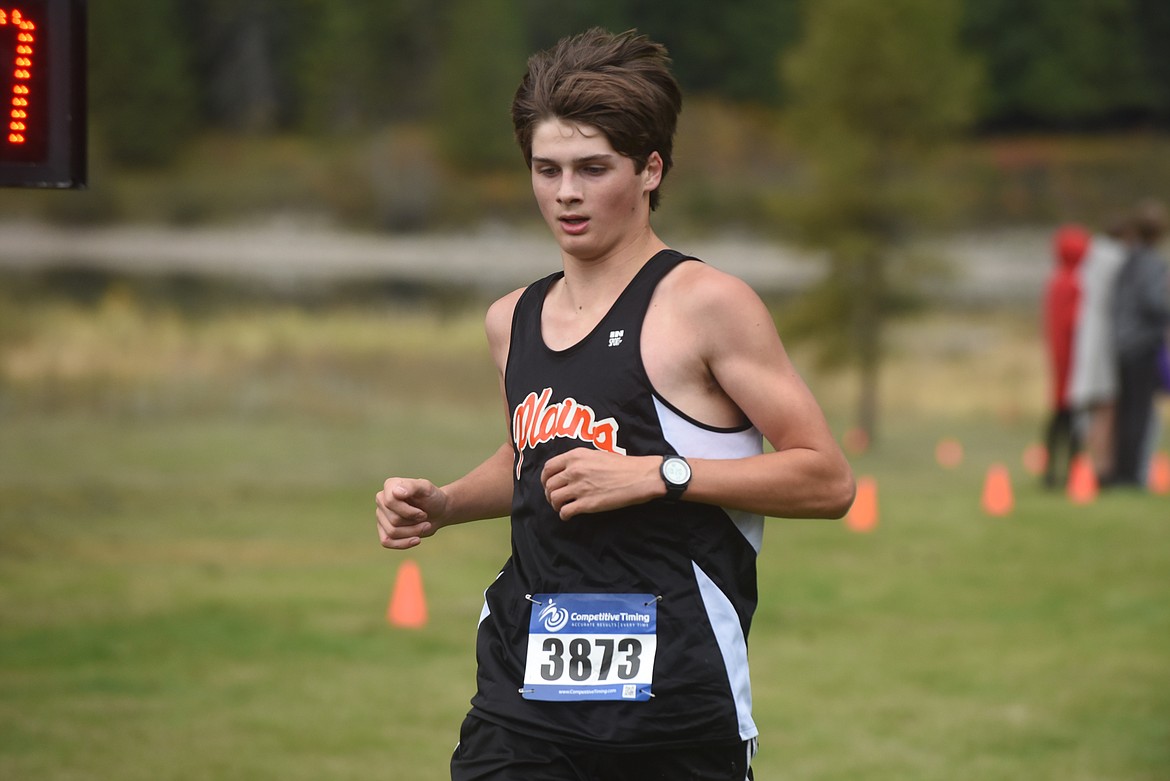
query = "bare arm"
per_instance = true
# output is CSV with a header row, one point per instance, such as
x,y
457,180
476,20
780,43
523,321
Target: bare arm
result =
x,y
807,475
410,509
735,364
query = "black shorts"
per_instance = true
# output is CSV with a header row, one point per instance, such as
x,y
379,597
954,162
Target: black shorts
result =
x,y
487,752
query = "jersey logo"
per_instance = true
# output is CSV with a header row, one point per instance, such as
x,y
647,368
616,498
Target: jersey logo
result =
x,y
537,422
615,337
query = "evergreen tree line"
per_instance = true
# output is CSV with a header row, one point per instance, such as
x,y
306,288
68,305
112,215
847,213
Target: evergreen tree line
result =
x,y
163,71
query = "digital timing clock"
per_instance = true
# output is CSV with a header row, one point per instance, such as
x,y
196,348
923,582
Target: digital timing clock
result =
x,y
42,93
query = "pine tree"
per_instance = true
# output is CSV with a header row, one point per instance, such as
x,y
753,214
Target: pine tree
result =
x,y
483,63
875,89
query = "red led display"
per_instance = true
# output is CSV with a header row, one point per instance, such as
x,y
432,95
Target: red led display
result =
x,y
42,93
23,136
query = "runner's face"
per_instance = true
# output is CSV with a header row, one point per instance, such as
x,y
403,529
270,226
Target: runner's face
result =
x,y
591,197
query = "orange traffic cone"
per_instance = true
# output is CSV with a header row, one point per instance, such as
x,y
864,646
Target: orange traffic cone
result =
x,y
408,606
948,453
1082,480
863,515
855,441
997,491
1035,459
1158,481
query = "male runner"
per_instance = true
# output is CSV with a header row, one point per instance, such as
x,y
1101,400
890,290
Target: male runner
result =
x,y
639,385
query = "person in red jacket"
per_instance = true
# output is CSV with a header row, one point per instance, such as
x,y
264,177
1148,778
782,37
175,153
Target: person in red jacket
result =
x,y
1061,305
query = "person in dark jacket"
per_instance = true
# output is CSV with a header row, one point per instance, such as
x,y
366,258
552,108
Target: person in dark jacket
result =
x,y
1141,317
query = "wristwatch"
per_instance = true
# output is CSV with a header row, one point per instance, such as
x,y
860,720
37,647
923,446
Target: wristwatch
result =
x,y
676,473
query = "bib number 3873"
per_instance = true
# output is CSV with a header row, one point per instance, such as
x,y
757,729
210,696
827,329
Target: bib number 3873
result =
x,y
591,647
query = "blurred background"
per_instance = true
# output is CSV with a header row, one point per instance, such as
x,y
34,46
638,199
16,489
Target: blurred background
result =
x,y
392,116
270,298
827,143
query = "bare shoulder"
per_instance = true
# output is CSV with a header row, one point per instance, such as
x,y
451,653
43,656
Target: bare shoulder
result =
x,y
722,303
731,365
702,288
498,324
499,314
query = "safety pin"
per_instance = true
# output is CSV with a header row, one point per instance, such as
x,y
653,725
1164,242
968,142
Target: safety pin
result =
x,y
533,601
648,693
530,691
654,601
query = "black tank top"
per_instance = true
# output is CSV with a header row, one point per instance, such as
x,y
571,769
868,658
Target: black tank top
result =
x,y
698,561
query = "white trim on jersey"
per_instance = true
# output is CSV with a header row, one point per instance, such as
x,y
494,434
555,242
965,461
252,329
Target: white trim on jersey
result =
x,y
693,440
733,647
690,438
486,611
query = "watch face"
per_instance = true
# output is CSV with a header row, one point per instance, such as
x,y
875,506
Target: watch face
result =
x,y
676,471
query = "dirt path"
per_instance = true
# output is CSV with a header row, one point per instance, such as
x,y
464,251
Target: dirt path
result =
x,y
1005,266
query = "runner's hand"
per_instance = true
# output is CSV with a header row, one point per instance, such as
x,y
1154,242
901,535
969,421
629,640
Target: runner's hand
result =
x,y
407,511
585,480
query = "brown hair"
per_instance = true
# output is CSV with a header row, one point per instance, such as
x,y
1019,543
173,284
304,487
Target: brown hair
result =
x,y
1150,221
621,84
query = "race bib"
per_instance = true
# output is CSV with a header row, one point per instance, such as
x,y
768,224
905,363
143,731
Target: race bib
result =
x,y
591,647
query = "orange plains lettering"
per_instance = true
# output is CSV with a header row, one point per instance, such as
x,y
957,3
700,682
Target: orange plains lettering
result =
x,y
536,422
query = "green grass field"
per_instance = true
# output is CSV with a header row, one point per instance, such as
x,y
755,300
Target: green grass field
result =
x,y
191,585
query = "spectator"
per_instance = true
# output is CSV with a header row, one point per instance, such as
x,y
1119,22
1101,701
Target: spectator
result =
x,y
1093,382
1141,315
1061,304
